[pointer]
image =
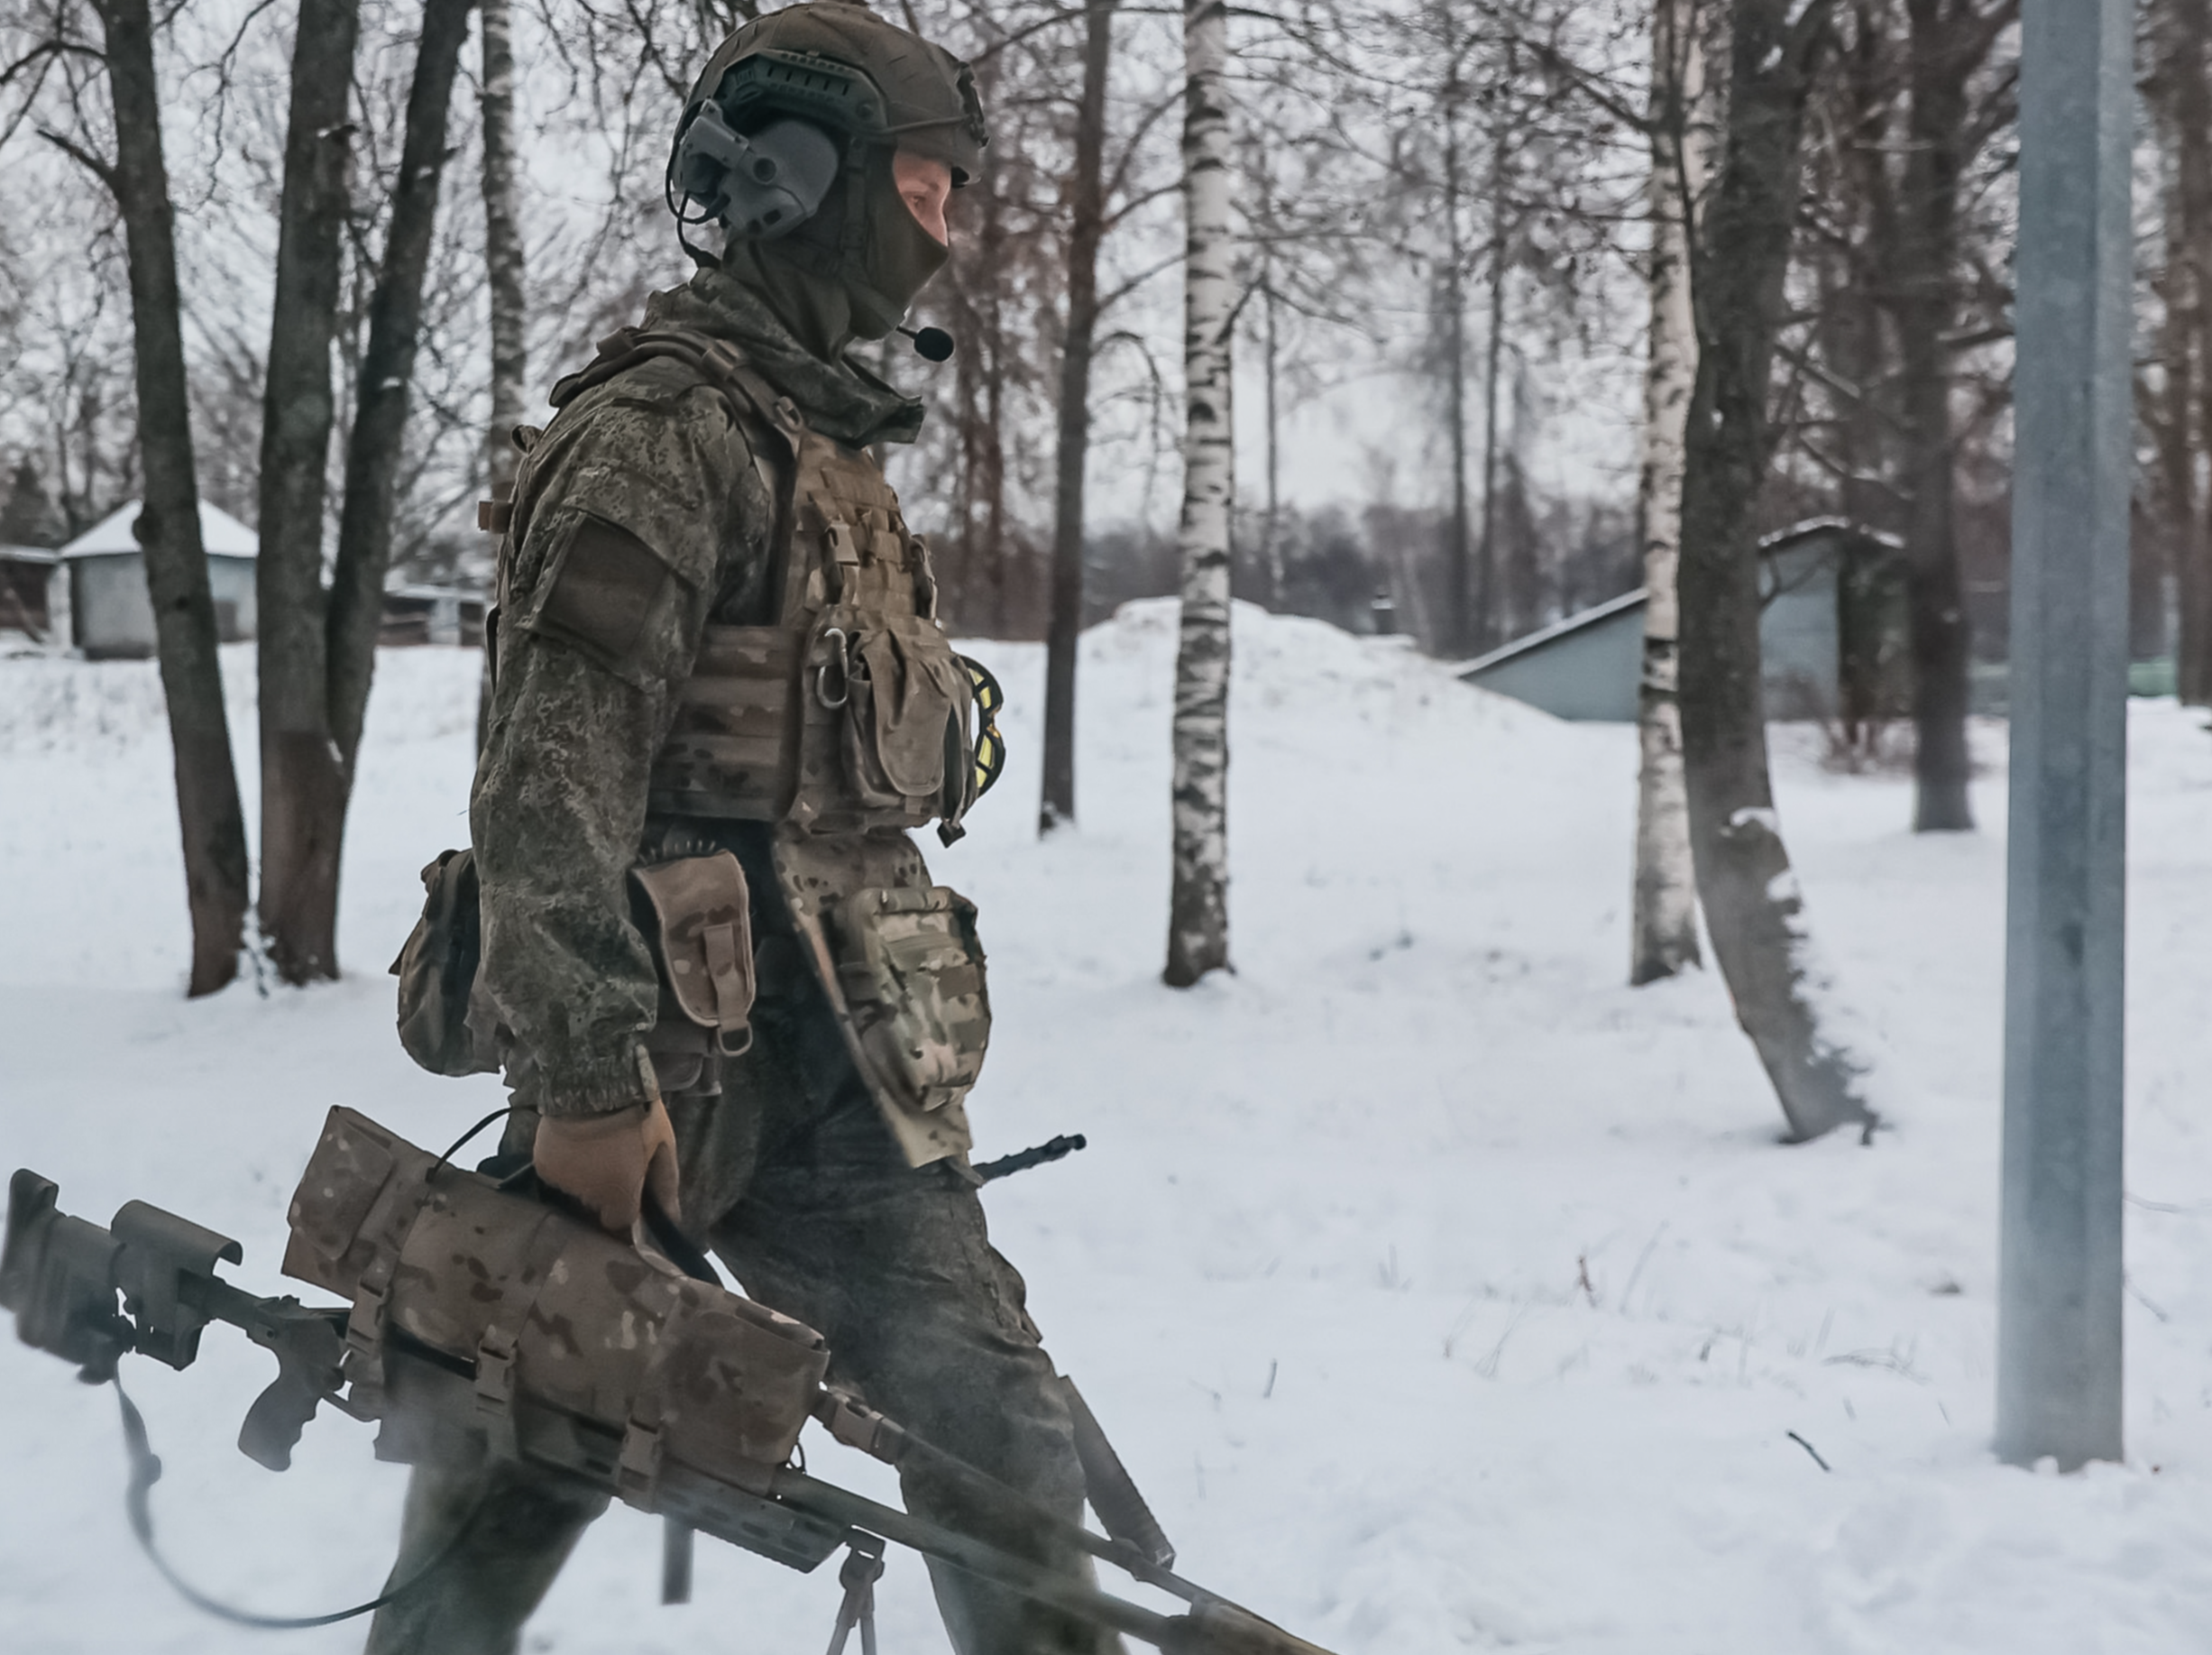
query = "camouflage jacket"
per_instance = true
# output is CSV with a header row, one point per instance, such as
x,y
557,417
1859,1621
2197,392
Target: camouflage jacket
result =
x,y
651,459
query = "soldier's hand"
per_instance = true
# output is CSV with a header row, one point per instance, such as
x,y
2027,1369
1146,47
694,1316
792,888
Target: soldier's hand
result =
x,y
608,1162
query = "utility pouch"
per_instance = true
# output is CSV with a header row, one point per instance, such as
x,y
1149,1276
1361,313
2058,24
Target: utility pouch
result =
x,y
911,969
437,974
702,933
907,736
886,725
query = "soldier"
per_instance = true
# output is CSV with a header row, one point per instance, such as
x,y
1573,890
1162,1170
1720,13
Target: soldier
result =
x,y
721,978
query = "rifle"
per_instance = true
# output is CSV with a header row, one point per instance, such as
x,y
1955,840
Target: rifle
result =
x,y
452,1283
1022,1160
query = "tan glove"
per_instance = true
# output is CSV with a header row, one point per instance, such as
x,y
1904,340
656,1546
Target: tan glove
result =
x,y
608,1162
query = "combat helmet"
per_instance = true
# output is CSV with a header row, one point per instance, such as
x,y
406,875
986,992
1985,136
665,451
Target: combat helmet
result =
x,y
797,98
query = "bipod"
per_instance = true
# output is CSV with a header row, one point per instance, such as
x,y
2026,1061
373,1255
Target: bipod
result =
x,y
863,1569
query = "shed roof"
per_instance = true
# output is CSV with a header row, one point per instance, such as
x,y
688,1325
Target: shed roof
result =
x,y
222,533
1551,634
1780,540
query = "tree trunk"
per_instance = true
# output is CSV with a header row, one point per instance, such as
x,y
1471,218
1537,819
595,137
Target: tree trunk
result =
x,y
1853,341
1491,627
1465,597
1198,907
2169,409
1270,536
2192,120
208,810
995,435
1063,639
1940,58
387,372
1753,907
503,265
1664,909
303,787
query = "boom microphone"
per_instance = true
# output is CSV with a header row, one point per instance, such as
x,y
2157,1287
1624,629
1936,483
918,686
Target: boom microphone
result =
x,y
934,344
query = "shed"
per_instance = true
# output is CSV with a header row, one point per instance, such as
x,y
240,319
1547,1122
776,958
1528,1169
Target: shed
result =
x,y
27,590
1830,638
111,610
433,615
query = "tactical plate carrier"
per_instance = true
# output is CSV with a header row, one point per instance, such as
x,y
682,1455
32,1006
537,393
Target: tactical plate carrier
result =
x,y
848,710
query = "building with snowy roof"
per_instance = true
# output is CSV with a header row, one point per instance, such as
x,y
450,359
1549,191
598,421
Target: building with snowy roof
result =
x,y
111,612
1831,638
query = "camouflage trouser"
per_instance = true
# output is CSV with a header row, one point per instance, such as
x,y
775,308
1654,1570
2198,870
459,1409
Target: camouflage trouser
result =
x,y
825,1221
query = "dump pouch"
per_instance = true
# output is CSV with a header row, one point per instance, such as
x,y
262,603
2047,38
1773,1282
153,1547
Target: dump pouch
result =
x,y
437,971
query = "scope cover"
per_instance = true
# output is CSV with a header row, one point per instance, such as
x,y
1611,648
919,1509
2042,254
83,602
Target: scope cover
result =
x,y
548,1311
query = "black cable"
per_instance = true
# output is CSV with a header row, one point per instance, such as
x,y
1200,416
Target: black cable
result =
x,y
679,1248
146,1471
461,1142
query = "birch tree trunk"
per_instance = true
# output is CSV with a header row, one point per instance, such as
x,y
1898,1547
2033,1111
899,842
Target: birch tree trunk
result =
x,y
1063,637
1198,909
503,266
1753,907
208,811
1665,907
303,789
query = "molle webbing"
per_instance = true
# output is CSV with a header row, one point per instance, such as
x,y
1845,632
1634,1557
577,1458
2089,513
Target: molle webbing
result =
x,y
731,749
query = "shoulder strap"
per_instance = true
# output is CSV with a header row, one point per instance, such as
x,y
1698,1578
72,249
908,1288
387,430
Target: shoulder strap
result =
x,y
752,402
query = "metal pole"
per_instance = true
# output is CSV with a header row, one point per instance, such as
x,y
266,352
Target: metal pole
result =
x,y
2058,1299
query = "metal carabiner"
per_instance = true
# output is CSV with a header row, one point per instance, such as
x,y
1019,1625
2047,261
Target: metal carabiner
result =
x,y
843,663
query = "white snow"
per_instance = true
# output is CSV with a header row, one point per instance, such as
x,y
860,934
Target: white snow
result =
x,y
1440,1291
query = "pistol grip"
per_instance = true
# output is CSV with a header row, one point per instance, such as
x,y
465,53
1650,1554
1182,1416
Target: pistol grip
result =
x,y
274,1423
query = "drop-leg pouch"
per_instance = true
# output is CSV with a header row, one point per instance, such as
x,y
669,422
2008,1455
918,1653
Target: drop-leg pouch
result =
x,y
819,873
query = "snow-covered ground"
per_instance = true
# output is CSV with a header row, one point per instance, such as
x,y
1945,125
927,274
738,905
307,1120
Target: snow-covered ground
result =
x,y
1440,1291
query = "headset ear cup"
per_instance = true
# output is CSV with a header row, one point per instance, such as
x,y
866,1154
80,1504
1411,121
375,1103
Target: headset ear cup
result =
x,y
781,181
